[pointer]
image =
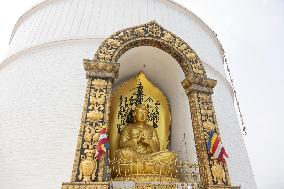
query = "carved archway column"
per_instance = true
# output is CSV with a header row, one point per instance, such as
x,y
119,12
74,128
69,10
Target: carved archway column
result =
x,y
213,174
95,116
101,73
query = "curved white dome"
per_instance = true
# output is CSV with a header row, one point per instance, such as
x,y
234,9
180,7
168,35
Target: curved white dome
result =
x,y
43,83
60,20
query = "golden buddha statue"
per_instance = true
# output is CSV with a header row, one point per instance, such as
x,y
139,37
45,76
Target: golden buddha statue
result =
x,y
139,156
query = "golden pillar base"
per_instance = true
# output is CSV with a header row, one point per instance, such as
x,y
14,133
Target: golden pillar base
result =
x,y
145,185
85,185
147,178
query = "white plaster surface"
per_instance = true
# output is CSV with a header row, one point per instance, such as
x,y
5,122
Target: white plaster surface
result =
x,y
42,88
56,20
42,95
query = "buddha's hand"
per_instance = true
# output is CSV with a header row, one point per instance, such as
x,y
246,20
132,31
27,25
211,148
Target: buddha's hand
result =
x,y
134,142
146,140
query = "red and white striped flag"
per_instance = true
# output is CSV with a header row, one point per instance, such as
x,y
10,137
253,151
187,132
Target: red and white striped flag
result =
x,y
214,146
221,153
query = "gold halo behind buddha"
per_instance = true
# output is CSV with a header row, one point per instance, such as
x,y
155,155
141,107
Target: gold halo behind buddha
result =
x,y
139,132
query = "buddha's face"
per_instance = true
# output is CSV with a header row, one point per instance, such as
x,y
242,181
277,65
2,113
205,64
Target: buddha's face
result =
x,y
141,115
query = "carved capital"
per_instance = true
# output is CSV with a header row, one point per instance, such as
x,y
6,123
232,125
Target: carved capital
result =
x,y
199,84
99,69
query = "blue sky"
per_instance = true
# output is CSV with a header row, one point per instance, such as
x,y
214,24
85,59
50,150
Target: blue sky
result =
x,y
251,32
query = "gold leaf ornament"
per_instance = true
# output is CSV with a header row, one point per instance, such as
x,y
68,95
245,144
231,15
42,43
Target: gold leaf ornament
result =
x,y
114,43
168,37
96,137
154,30
140,31
197,68
218,172
99,83
108,67
105,54
95,115
208,125
182,46
87,166
101,100
124,35
93,100
88,134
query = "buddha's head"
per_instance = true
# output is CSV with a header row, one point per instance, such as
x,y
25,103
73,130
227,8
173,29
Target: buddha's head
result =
x,y
141,113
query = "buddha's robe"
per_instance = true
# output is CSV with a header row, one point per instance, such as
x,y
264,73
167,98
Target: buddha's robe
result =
x,y
139,141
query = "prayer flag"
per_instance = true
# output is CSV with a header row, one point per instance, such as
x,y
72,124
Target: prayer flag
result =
x,y
103,144
214,146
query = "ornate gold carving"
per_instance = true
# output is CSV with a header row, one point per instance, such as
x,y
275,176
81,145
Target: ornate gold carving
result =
x,y
101,69
197,67
95,116
105,53
134,91
126,98
154,30
155,186
114,43
98,84
199,91
90,138
87,166
219,175
101,169
139,153
81,134
85,185
197,86
195,83
150,34
140,31
209,125
204,167
168,37
93,124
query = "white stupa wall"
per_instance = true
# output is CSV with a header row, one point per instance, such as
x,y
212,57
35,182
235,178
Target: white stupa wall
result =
x,y
42,85
57,20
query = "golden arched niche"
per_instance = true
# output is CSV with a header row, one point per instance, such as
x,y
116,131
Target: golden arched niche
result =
x,y
138,90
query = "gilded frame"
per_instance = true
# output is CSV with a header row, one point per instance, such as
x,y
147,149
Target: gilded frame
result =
x,y
197,86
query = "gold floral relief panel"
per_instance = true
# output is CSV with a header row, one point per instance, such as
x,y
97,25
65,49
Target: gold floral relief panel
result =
x,y
218,170
86,167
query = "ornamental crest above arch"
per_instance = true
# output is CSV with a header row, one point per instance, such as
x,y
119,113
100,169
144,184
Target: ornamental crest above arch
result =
x,y
150,34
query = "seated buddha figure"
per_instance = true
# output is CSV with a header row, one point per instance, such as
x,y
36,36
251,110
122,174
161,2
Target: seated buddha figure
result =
x,y
139,154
